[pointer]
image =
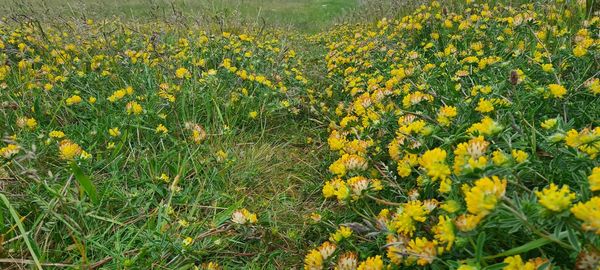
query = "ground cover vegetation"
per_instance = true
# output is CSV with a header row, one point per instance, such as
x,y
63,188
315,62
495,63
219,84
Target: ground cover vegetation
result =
x,y
437,135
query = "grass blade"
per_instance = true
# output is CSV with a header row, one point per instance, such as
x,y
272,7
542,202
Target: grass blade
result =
x,y
85,183
30,244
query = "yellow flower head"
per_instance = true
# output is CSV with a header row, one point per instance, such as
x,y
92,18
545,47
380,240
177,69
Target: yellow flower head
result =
x,y
161,129
557,90
182,73
243,216
57,134
134,108
69,150
594,179
252,114
485,106
550,123
482,198
516,263
422,250
589,213
114,132
519,156
9,150
347,261
486,127
555,199
434,162
188,241
444,231
313,260
342,232
372,263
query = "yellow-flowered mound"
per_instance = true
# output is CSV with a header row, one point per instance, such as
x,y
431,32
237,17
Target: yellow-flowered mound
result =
x,y
463,138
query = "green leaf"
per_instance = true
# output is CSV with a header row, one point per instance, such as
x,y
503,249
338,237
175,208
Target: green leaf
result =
x,y
573,240
85,183
28,241
479,247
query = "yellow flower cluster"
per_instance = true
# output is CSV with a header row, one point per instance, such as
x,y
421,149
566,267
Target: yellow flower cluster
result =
x,y
243,216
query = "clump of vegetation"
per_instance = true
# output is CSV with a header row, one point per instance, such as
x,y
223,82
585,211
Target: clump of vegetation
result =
x,y
464,139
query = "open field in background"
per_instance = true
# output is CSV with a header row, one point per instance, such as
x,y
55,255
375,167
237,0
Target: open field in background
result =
x,y
304,15
299,134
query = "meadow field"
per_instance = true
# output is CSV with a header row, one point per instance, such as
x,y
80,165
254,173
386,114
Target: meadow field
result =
x,y
315,134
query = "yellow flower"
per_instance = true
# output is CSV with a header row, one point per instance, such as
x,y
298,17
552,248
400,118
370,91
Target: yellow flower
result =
x,y
422,251
486,127
211,266
444,231
434,162
499,158
446,114
579,51
348,162
313,260
315,217
589,213
57,134
554,199
187,241
409,213
519,156
484,106
243,216
117,95
253,114
92,100
516,263
337,188
31,123
372,263
69,150
550,123
9,150
85,155
467,222
594,179
594,86
165,178
327,249
336,140
161,129
114,132
547,68
221,156
557,90
182,73
342,232
73,100
482,198
134,108
347,261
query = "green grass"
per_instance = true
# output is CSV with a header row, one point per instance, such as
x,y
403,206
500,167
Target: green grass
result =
x,y
270,168
304,15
